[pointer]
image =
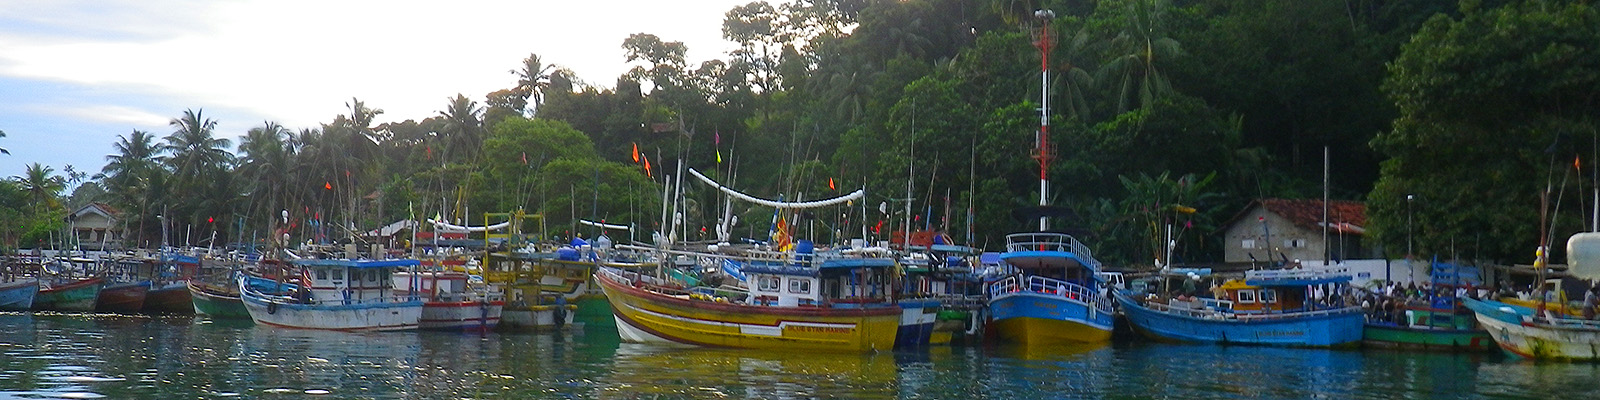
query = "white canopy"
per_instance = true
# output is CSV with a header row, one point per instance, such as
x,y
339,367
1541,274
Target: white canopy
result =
x,y
605,225
780,204
461,228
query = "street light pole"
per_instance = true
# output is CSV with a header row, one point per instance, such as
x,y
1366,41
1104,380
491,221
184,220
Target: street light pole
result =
x,y
1409,220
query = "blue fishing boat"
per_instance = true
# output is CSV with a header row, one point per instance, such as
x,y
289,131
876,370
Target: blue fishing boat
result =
x,y
1055,295
18,295
1274,307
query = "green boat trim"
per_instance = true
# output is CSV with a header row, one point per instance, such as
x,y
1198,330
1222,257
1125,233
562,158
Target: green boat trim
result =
x,y
1395,336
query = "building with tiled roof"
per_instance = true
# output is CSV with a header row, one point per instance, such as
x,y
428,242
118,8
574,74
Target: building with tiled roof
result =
x,y
1274,230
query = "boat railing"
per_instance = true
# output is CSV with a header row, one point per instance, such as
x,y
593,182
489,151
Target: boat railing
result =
x,y
641,281
1050,286
1569,323
1048,241
1299,273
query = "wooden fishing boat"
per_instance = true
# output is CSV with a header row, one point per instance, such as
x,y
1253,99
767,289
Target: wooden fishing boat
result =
x,y
1436,323
1272,307
122,297
169,298
18,295
1056,297
73,295
217,301
333,294
1527,333
796,301
451,301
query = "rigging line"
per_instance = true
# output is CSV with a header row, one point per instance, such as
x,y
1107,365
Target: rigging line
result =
x,y
778,204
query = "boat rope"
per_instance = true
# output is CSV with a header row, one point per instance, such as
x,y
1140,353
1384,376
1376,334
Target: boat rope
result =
x,y
859,193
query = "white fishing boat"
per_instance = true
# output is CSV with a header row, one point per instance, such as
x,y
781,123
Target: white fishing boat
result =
x,y
346,295
1541,332
452,300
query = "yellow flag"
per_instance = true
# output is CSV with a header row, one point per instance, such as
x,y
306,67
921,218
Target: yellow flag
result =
x,y
719,156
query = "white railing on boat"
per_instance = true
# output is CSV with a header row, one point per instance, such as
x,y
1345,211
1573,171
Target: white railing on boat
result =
x,y
1299,273
1054,287
1048,241
1566,323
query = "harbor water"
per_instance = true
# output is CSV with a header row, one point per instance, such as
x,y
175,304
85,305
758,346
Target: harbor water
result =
x,y
47,355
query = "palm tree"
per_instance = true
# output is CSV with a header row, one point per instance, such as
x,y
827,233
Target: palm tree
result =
x,y
2,149
532,81
130,173
463,127
42,185
1137,51
265,156
193,148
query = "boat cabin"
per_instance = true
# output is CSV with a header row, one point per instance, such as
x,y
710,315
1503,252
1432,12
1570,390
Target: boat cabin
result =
x,y
1055,256
1291,290
832,282
350,281
1259,299
435,286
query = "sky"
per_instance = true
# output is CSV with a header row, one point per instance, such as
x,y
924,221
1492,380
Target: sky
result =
x,y
77,74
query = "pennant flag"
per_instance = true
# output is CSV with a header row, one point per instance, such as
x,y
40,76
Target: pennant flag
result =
x,y
719,156
524,158
647,167
1575,164
327,185
830,184
430,152
347,173
718,134
635,152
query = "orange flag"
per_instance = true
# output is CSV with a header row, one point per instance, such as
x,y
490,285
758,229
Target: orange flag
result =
x,y
830,184
327,185
635,152
647,167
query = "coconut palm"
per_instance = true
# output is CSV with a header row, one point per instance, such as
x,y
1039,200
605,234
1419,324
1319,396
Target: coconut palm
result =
x,y
1137,52
265,154
42,185
463,127
2,149
192,147
532,81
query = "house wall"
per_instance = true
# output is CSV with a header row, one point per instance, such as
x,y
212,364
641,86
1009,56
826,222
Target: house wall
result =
x,y
1287,239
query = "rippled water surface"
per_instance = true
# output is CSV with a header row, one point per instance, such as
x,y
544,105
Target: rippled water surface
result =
x,y
135,357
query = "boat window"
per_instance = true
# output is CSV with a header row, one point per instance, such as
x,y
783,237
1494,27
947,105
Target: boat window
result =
x,y
770,284
1247,296
338,274
1269,296
800,286
322,274
372,276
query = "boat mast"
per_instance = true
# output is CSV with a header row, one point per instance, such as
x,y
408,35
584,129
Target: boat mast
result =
x,y
1042,152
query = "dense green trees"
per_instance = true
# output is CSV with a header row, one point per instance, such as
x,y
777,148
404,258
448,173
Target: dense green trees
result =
x,y
1157,106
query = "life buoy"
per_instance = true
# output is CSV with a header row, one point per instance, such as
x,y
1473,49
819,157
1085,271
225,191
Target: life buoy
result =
x,y
272,308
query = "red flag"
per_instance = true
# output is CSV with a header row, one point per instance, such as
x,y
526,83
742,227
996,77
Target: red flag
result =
x,y
327,185
635,152
1575,164
830,184
430,152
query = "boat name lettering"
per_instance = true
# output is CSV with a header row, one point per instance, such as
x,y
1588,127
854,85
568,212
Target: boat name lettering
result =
x,y
817,329
1280,333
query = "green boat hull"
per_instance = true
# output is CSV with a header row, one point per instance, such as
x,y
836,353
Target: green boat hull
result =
x,y
595,314
1474,340
76,297
217,305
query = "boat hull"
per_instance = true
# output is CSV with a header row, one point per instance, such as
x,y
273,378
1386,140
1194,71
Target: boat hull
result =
x,y
539,317
916,323
216,303
647,316
18,295
382,316
1036,319
1332,329
172,298
1387,335
122,297
1505,324
461,315
76,296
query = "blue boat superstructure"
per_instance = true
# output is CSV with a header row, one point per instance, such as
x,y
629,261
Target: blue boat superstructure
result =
x,y
1056,295
347,295
1268,308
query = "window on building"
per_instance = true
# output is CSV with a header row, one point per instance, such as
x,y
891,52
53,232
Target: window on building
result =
x,y
1248,244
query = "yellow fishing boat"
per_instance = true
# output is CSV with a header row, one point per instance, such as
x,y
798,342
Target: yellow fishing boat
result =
x,y
826,303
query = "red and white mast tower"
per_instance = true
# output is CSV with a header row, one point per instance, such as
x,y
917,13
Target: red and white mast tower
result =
x,y
1045,152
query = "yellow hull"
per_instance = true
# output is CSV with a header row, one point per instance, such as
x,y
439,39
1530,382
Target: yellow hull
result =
x,y
1039,331
647,316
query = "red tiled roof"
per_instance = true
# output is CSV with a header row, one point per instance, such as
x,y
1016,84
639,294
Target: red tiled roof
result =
x,y
1307,213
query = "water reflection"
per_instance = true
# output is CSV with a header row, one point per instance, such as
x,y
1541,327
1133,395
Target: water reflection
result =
x,y
652,370
49,355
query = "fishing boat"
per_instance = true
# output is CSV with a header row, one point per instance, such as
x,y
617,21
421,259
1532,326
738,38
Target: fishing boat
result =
x,y
18,295
169,290
1269,307
938,293
1437,322
1541,333
69,295
216,301
122,297
536,289
333,294
796,301
451,300
1055,295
